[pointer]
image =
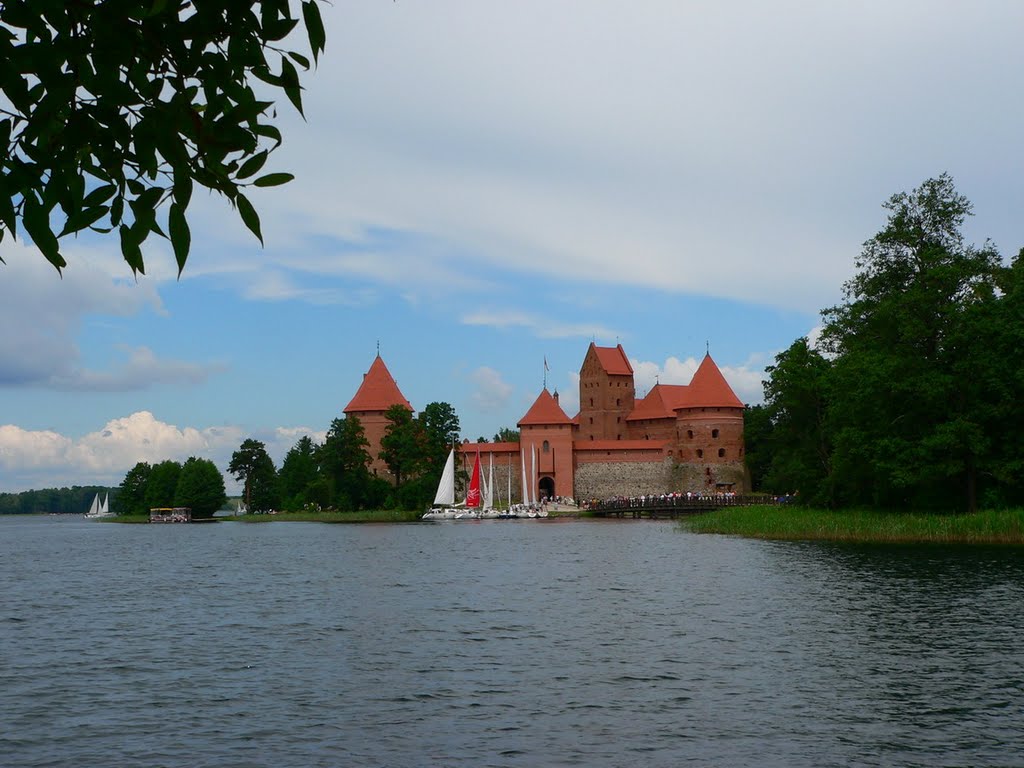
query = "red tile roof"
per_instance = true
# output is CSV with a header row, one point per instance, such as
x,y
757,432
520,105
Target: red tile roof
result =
x,y
488,447
545,411
660,403
378,392
613,360
708,388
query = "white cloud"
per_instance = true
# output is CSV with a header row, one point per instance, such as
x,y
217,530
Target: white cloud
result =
x,y
491,392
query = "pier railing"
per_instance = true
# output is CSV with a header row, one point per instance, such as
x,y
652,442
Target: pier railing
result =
x,y
671,505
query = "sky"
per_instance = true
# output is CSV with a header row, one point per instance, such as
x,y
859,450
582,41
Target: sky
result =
x,y
483,187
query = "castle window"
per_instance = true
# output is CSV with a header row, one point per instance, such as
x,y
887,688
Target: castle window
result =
x,y
618,437
721,453
591,419
546,447
714,433
618,419
700,454
618,401
591,402
689,434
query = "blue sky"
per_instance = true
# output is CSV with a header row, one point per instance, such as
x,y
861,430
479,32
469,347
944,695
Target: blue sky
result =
x,y
481,186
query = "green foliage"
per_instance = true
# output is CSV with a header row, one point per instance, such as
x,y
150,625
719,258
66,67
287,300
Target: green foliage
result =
x,y
298,473
113,111
757,431
343,462
252,466
200,487
440,424
915,401
404,445
162,484
506,435
796,405
132,498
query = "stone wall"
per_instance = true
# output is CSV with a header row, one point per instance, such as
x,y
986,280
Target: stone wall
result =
x,y
602,480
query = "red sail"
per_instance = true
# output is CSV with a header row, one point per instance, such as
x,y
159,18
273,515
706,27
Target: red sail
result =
x,y
473,494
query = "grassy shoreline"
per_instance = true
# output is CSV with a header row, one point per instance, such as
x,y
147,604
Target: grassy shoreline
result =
x,y
794,523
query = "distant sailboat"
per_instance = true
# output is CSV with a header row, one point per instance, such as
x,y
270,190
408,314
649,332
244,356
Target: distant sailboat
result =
x,y
99,508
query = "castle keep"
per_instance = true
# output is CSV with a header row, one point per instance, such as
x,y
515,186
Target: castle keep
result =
x,y
676,438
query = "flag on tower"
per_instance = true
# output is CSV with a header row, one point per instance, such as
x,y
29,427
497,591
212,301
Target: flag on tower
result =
x,y
546,363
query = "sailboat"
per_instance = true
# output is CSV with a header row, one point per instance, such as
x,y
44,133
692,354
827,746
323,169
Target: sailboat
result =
x,y
444,499
488,511
99,508
473,499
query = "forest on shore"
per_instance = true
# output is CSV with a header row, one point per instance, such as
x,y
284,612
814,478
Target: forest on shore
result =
x,y
911,397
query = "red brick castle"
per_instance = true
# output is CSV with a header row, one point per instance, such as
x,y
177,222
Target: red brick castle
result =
x,y
677,438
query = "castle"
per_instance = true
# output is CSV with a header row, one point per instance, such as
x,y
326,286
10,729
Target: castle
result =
x,y
676,438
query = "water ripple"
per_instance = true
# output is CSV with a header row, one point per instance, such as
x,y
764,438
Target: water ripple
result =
x,y
501,645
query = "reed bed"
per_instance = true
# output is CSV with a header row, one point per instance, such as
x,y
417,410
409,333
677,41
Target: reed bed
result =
x,y
801,523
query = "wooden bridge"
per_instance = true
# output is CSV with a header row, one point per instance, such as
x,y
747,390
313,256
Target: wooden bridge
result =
x,y
655,507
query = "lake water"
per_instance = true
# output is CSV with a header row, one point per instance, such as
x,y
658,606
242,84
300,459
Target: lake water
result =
x,y
500,643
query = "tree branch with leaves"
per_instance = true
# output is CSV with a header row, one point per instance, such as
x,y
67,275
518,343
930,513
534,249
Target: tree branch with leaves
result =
x,y
111,113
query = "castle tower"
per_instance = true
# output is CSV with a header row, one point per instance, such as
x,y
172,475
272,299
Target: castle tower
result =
x,y
709,426
375,395
546,429
606,393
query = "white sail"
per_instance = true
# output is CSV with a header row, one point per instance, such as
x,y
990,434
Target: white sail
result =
x,y
446,488
533,473
94,510
490,485
104,509
522,465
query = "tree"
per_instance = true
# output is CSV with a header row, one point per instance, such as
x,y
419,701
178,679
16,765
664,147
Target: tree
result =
x,y
344,460
298,472
200,487
506,435
799,452
402,446
162,484
757,430
132,497
441,430
906,427
113,110
253,467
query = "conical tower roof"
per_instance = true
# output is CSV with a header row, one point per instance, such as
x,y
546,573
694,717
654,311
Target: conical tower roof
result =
x,y
378,392
544,411
708,388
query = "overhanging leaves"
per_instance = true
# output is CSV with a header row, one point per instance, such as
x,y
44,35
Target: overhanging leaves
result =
x,y
114,110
